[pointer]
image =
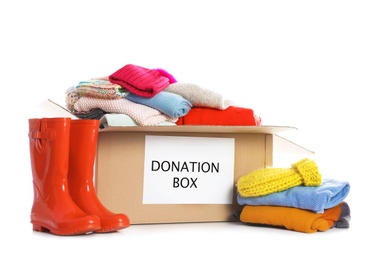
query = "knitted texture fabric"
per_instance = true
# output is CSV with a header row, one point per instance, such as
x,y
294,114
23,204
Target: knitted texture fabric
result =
x,y
141,81
170,104
115,119
141,114
95,88
71,98
100,89
198,96
167,75
269,180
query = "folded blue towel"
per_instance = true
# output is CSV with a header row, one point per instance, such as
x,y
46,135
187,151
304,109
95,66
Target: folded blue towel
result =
x,y
315,198
168,103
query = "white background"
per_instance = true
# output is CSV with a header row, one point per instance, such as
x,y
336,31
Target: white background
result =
x,y
307,64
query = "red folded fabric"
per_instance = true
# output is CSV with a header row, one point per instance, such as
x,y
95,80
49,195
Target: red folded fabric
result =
x,y
231,116
142,81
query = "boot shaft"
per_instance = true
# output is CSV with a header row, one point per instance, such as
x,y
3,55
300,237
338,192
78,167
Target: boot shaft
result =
x,y
49,151
83,148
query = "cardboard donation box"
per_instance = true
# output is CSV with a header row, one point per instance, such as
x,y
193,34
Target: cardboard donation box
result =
x,y
174,174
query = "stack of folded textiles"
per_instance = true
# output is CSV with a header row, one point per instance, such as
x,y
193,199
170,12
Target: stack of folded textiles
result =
x,y
134,95
295,198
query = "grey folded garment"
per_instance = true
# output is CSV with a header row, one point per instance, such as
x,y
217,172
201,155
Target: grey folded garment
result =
x,y
198,96
92,114
345,216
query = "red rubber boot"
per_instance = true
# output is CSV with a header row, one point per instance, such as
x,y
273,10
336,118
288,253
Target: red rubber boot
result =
x,y
53,209
83,147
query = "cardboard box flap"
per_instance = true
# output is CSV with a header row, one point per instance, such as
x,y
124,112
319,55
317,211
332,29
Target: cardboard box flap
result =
x,y
283,145
53,109
201,129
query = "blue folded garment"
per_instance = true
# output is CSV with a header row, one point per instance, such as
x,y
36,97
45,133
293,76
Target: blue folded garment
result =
x,y
315,198
168,103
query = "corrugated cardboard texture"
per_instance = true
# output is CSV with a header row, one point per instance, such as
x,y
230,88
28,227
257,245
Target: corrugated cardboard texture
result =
x,y
120,169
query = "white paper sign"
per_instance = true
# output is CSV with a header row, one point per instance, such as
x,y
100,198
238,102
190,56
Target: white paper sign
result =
x,y
188,170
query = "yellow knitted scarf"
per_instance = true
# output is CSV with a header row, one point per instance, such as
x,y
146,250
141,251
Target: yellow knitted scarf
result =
x,y
269,180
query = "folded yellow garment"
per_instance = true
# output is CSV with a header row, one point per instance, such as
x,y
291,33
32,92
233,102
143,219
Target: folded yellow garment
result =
x,y
269,180
291,218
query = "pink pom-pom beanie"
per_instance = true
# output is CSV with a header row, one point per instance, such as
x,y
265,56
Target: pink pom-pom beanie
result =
x,y
142,81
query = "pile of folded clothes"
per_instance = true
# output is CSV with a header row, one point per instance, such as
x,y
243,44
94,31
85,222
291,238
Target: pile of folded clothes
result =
x,y
295,198
134,95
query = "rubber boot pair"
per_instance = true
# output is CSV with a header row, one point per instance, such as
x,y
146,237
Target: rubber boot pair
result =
x,y
62,154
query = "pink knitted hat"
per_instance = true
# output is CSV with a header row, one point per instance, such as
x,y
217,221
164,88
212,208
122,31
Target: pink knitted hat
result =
x,y
142,81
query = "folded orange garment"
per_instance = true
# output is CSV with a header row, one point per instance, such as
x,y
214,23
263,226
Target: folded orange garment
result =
x,y
293,218
231,116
